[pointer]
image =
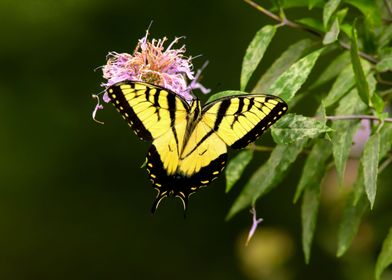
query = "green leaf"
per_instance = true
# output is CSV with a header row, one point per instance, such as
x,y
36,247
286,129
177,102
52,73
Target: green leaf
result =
x,y
351,219
287,58
385,64
369,9
292,128
359,188
314,3
329,8
291,80
314,167
378,104
360,78
297,3
236,167
385,140
386,36
267,176
369,161
385,257
343,83
342,141
345,130
313,23
309,211
225,93
255,52
332,34
333,69
346,28
341,15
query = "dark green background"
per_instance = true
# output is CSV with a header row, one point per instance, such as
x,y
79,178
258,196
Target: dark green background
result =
x,y
74,203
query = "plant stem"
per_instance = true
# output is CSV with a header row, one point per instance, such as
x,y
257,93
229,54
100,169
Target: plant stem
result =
x,y
285,21
382,81
361,54
385,92
385,164
389,6
355,117
261,148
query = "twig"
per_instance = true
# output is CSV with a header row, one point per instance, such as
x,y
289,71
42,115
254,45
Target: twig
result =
x,y
285,21
355,117
361,54
270,149
382,81
261,148
385,164
386,92
389,6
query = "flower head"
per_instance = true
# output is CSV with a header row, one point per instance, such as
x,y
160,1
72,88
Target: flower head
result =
x,y
151,62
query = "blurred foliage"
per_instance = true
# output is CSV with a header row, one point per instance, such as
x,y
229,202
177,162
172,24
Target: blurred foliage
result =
x,y
74,202
358,91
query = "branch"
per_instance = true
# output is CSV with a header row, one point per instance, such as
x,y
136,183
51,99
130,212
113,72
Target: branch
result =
x,y
285,21
366,56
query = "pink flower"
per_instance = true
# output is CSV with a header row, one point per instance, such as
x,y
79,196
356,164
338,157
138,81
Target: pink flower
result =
x,y
151,62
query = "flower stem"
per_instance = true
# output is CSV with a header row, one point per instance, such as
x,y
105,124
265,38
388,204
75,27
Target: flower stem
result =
x,y
285,21
255,223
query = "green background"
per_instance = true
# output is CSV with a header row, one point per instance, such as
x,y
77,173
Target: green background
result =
x,y
74,203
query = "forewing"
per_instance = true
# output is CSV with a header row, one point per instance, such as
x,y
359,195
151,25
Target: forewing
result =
x,y
149,110
240,120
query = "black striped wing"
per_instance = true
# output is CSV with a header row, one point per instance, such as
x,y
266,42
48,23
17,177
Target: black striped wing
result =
x,y
231,121
149,110
185,156
240,120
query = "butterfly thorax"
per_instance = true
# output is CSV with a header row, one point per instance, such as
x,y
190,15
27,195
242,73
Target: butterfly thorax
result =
x,y
192,118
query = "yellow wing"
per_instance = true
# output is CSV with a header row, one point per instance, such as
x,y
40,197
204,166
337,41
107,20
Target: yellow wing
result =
x,y
233,121
189,148
151,111
204,155
240,120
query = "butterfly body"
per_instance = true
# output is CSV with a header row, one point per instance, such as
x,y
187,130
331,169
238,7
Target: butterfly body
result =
x,y
189,142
